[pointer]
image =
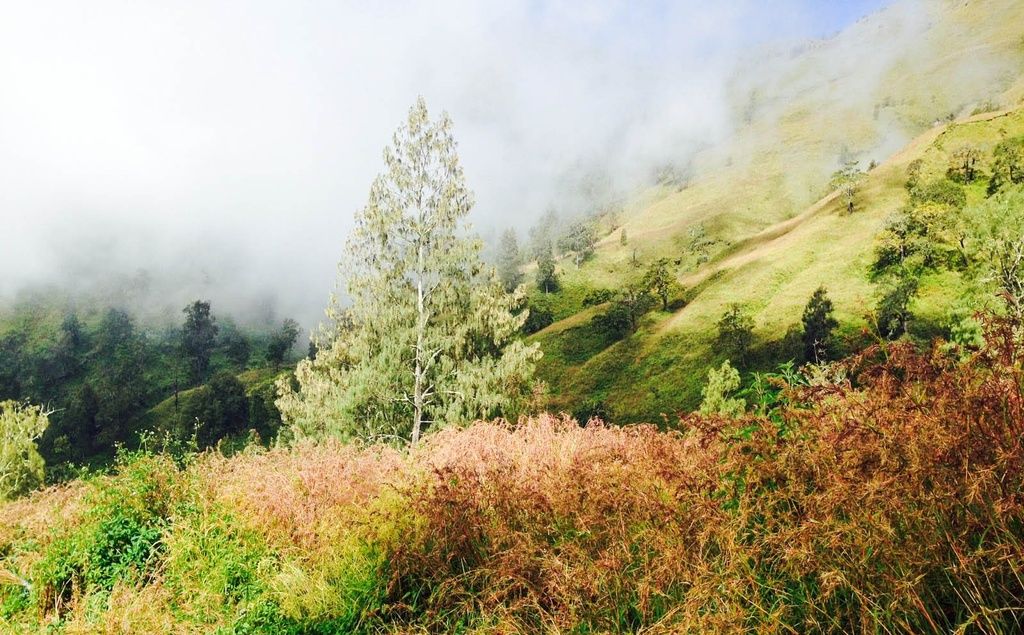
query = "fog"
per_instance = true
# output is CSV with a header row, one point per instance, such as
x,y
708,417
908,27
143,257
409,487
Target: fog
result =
x,y
220,149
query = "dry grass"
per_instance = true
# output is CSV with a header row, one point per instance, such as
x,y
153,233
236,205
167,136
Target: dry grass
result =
x,y
892,501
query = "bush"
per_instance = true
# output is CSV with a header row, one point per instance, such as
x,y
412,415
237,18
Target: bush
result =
x,y
595,297
21,466
879,495
539,318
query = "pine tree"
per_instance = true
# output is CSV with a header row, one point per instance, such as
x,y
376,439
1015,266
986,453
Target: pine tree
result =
x,y
717,395
509,261
430,337
818,326
547,279
198,338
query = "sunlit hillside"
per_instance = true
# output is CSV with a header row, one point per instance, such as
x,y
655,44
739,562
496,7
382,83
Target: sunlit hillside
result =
x,y
764,198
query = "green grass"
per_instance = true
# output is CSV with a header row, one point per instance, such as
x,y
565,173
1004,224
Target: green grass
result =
x,y
772,272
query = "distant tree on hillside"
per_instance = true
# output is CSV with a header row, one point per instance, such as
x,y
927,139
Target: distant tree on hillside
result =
x,y
893,313
913,174
963,164
434,338
699,243
996,239
623,239
539,318
580,240
542,234
818,325
847,181
79,424
547,279
236,345
660,279
509,261
735,333
1007,165
282,341
628,306
218,409
120,356
198,339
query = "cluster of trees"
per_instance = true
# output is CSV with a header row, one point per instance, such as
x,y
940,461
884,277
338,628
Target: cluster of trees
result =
x,y
432,335
97,378
938,230
656,287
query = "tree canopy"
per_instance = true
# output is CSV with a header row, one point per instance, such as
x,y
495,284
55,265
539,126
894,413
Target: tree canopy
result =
x,y
430,337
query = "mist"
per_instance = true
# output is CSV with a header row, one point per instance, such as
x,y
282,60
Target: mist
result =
x,y
220,149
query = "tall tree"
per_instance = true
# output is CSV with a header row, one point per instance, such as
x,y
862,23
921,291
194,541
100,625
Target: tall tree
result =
x,y
963,164
580,239
542,234
1007,164
282,341
660,280
996,242
431,337
510,261
198,338
547,279
735,333
847,181
818,326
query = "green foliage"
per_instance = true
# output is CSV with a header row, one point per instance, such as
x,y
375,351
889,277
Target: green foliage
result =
x,y
21,466
943,192
819,323
540,317
995,238
847,181
628,306
735,334
510,261
660,279
718,397
963,164
117,541
218,409
431,337
893,313
595,297
543,233
198,338
235,344
579,240
547,279
282,341
1007,165
699,243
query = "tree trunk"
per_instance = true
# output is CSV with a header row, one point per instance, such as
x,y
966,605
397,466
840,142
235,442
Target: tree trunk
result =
x,y
417,422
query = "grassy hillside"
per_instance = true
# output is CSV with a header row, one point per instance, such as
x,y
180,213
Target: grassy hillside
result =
x,y
872,92
773,273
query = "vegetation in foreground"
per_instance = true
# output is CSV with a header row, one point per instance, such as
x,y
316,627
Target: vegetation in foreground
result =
x,y
879,494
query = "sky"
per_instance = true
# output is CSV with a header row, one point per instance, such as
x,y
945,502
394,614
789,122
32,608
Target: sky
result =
x,y
223,147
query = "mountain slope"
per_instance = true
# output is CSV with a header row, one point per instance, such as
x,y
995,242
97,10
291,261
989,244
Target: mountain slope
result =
x,y
763,197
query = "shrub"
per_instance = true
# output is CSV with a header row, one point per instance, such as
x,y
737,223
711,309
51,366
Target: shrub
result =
x,y
21,466
595,297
